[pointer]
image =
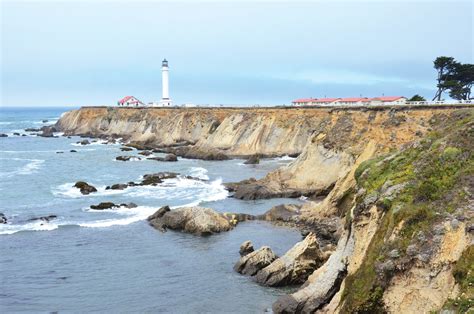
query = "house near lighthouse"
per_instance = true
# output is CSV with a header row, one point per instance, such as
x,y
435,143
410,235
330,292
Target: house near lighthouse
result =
x,y
130,101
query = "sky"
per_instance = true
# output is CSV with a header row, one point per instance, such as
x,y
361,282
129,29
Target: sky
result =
x,y
74,53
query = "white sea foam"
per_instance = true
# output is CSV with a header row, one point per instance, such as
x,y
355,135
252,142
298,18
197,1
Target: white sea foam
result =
x,y
199,172
132,215
31,167
286,158
32,226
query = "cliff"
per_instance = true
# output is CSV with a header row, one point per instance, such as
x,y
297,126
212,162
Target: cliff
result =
x,y
397,216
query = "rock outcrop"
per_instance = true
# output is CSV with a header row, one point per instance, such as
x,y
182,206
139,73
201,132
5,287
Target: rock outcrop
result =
x,y
251,263
295,266
196,220
85,187
245,248
3,218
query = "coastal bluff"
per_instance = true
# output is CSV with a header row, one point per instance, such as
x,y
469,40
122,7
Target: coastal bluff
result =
x,y
395,227
327,141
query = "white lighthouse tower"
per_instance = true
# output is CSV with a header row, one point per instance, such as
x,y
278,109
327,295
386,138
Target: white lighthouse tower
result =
x,y
165,99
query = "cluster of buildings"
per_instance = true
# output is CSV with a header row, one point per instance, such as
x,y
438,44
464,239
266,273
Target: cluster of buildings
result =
x,y
354,101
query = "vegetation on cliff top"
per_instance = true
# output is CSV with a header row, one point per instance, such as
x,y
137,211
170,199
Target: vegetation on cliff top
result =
x,y
416,190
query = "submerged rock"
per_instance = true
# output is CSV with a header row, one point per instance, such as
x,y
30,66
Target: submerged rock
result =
x,y
85,188
126,149
196,220
109,205
32,130
73,151
43,218
250,264
253,160
295,266
3,219
126,158
3,135
84,142
246,248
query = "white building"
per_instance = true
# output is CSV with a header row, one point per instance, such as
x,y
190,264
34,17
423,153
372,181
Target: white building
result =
x,y
165,98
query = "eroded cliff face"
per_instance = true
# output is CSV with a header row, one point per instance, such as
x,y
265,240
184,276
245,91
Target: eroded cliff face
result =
x,y
329,141
397,220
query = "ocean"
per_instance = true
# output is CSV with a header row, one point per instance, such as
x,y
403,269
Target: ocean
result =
x,y
113,261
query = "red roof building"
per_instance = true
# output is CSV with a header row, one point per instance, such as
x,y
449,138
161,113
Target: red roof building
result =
x,y
130,101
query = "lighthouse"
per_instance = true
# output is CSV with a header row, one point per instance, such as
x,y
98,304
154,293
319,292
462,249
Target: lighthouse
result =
x,y
165,99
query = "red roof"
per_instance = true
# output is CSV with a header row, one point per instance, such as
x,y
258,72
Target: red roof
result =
x,y
305,100
125,99
326,100
353,99
388,98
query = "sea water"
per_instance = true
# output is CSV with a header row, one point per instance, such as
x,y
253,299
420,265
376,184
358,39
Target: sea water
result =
x,y
112,260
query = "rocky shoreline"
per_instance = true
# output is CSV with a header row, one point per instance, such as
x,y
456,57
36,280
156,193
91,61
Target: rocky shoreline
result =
x,y
391,229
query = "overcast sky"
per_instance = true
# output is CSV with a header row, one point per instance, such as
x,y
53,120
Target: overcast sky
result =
x,y
247,52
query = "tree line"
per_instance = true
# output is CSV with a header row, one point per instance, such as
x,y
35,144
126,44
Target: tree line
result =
x,y
454,77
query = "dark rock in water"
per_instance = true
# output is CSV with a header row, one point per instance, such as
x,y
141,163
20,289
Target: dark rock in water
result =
x,y
73,151
43,218
129,205
104,205
3,135
32,130
155,178
3,219
127,158
253,262
69,137
83,142
145,153
59,152
110,205
253,160
111,141
16,133
47,131
85,188
196,220
23,135
294,155
171,157
44,121
246,248
126,149
118,186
